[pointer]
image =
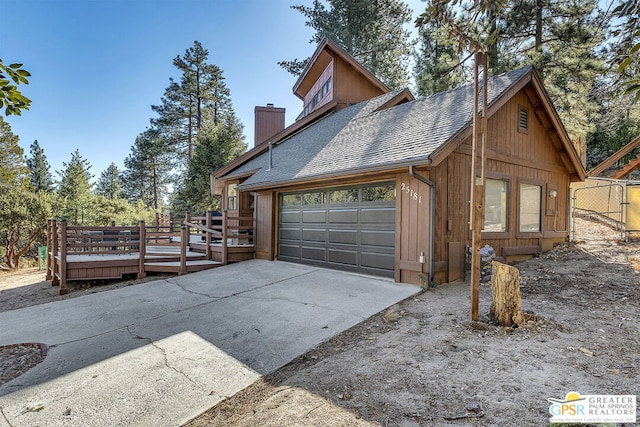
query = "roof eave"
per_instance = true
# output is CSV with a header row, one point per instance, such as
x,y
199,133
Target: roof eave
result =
x,y
344,173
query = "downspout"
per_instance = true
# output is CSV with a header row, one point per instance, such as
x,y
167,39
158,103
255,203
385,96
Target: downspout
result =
x,y
270,155
432,203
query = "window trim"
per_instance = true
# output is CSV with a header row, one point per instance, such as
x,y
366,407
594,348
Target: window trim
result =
x,y
530,234
500,235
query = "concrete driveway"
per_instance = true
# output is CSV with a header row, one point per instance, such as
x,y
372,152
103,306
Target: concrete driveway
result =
x,y
160,353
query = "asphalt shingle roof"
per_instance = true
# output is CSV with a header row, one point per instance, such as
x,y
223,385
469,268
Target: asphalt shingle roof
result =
x,y
360,138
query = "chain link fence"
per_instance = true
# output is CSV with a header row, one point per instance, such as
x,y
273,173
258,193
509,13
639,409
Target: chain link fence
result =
x,y
599,211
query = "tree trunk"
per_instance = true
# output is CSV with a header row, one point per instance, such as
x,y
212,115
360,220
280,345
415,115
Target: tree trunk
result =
x,y
506,300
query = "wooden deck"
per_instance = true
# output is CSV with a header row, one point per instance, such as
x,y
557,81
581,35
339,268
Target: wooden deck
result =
x,y
97,253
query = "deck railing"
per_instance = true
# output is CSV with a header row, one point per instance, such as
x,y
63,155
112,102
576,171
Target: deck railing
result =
x,y
64,241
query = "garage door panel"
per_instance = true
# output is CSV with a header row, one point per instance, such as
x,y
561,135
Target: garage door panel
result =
x,y
314,253
289,251
319,216
288,217
343,236
314,235
377,238
343,216
343,257
376,260
289,233
378,216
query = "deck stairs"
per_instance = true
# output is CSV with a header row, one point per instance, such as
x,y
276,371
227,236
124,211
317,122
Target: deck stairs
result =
x,y
166,259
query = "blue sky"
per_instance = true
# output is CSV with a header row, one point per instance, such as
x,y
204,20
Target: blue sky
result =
x,y
98,65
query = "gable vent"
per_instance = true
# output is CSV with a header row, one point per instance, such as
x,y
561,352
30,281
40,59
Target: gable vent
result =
x,y
523,119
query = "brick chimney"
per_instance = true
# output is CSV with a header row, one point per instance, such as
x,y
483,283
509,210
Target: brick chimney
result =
x,y
269,121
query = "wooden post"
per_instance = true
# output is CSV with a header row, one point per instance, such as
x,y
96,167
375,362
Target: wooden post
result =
x,y
207,238
477,186
184,235
55,279
224,237
63,258
49,249
142,250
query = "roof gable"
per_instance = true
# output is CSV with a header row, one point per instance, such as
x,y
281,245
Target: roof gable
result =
x,y
325,52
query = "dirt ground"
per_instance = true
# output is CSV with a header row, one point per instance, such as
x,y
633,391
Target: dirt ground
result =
x,y
422,363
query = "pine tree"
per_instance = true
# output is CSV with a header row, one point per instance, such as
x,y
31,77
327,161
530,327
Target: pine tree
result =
x,y
13,172
109,184
147,169
40,176
438,65
75,187
372,31
216,147
187,106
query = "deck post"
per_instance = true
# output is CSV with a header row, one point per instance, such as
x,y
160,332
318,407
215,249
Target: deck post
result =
x,y
63,258
142,250
55,280
49,248
207,238
184,236
224,237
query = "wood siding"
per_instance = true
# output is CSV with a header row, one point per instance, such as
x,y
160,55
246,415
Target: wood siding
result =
x,y
412,228
349,87
265,214
516,157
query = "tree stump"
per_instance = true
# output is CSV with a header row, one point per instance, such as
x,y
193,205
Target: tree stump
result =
x,y
506,300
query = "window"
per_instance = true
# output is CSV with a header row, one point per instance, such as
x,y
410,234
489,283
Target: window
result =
x,y
530,208
337,197
379,193
523,119
496,206
315,198
291,200
326,88
232,197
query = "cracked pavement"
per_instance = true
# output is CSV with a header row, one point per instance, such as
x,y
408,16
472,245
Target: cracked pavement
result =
x,y
162,352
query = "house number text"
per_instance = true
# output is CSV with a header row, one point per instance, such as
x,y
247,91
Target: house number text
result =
x,y
411,192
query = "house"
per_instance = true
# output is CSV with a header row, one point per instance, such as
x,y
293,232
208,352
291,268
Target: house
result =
x,y
374,181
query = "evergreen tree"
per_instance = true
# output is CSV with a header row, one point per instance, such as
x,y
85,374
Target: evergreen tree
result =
x,y
216,147
438,65
109,184
40,176
616,124
372,31
13,171
74,187
147,169
188,105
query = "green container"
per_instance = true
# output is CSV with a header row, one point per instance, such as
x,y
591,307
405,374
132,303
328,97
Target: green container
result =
x,y
42,257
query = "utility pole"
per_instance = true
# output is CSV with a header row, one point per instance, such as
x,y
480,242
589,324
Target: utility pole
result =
x,y
478,161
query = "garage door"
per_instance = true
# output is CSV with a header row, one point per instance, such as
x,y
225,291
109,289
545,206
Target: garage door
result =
x,y
348,228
